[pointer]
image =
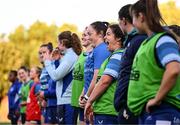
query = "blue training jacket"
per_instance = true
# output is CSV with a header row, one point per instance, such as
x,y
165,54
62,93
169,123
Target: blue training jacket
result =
x,y
132,44
50,93
13,96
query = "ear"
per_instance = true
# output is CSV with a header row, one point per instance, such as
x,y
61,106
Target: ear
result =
x,y
101,35
124,21
142,17
118,39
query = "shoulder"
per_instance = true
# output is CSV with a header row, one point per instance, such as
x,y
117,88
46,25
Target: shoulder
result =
x,y
116,56
138,37
166,39
70,55
100,47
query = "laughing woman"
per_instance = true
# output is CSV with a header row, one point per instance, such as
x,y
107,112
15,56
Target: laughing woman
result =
x,y
103,94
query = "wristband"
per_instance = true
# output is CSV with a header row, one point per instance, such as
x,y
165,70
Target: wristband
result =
x,y
86,97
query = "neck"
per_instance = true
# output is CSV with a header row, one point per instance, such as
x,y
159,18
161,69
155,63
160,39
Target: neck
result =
x,y
99,41
25,81
13,81
36,80
149,32
129,28
89,48
117,47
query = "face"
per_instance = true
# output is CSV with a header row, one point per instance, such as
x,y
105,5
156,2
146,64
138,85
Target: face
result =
x,y
137,22
121,24
111,40
42,52
61,46
85,38
93,36
11,77
33,73
22,74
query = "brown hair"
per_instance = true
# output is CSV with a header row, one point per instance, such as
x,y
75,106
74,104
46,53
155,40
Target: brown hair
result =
x,y
49,46
117,33
100,27
69,40
38,70
151,11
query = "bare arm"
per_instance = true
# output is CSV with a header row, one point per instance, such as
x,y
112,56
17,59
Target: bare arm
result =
x,y
93,82
99,89
169,79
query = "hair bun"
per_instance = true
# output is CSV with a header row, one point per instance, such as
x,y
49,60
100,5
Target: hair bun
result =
x,y
106,23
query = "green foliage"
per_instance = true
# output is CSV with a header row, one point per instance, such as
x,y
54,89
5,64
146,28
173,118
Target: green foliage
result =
x,y
22,47
10,58
170,12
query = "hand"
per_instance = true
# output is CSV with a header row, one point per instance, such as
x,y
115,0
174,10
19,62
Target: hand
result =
x,y
56,54
23,103
151,103
88,111
44,103
41,94
46,56
82,101
9,116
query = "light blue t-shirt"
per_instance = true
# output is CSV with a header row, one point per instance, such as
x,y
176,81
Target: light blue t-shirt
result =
x,y
167,50
114,65
88,70
93,62
100,53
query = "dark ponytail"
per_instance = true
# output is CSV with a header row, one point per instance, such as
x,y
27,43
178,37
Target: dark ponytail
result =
x,y
124,13
100,27
151,11
69,40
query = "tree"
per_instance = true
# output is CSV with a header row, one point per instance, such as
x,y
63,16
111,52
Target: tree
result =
x,y
22,47
170,12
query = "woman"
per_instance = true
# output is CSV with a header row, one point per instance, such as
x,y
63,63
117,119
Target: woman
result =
x,y
23,74
154,89
78,78
96,31
48,88
69,44
33,111
103,94
13,98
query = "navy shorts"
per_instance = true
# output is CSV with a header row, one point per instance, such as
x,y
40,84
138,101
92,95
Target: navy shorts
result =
x,y
105,119
125,116
79,112
161,115
51,115
65,114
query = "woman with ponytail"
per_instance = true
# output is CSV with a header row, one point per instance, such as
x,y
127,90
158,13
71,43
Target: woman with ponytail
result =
x,y
69,45
102,96
47,94
96,32
154,89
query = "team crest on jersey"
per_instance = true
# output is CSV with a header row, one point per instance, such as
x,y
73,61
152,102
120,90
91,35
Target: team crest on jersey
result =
x,y
135,74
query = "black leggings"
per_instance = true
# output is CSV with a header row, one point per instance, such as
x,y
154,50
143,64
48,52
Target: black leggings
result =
x,y
23,118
